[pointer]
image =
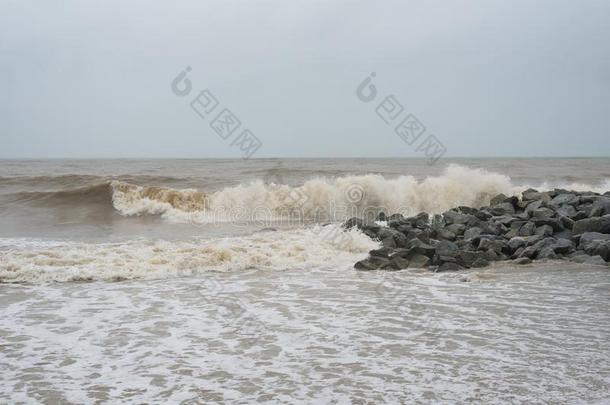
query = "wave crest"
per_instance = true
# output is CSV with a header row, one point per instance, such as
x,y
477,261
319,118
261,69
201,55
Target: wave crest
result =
x,y
318,199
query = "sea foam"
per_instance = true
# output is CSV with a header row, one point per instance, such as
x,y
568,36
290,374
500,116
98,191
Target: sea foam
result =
x,y
23,260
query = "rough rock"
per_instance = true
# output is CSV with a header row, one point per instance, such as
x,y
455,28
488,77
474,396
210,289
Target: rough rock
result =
x,y
600,207
567,211
599,248
552,222
498,199
503,209
556,224
419,261
543,213
457,229
589,237
399,263
448,266
570,199
381,252
592,260
544,230
372,263
417,246
594,224
528,229
472,233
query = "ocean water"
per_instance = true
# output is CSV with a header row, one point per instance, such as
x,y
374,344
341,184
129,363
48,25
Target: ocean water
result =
x,y
229,281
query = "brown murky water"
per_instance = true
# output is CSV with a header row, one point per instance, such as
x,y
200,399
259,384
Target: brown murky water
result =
x,y
219,312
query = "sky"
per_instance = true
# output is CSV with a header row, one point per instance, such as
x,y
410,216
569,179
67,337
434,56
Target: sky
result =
x,y
484,77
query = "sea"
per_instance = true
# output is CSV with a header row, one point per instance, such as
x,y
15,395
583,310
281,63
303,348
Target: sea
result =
x,y
199,281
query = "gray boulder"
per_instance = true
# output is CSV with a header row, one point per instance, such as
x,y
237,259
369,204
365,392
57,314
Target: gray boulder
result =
x,y
514,229
497,245
600,207
543,213
528,229
396,216
398,263
552,222
417,246
400,252
468,258
585,208
535,195
453,217
449,266
567,211
446,248
398,238
547,254
587,238
498,199
565,234
397,222
492,255
534,250
504,219
372,263
599,248
522,260
532,240
594,224
419,261
404,228
533,206
480,262
566,222
502,209
483,215
516,243
563,246
561,199
388,242
446,234
590,198
414,233
591,260
544,230
381,252
457,229
580,214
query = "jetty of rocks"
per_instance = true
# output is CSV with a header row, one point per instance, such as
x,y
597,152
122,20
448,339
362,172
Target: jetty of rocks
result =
x,y
541,225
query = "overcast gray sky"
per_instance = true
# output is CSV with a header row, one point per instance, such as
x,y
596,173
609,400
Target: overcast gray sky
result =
x,y
488,78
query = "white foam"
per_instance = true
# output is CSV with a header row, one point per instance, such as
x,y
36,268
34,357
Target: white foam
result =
x,y
319,199
323,199
316,247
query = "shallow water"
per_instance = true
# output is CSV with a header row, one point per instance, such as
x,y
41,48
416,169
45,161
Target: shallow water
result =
x,y
532,334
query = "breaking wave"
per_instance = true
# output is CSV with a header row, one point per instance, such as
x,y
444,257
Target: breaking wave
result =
x,y
322,199
316,247
318,199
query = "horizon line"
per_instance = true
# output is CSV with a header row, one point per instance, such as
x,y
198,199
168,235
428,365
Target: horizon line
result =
x,y
303,157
